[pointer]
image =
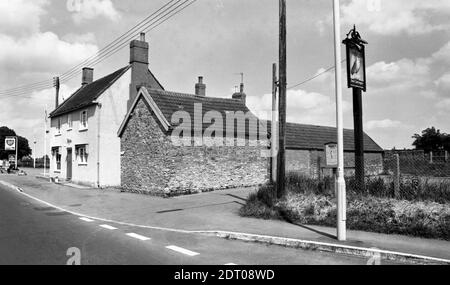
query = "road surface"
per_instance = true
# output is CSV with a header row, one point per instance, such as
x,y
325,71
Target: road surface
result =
x,y
34,234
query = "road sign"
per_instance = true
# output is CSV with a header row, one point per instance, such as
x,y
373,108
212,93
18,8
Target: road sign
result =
x,y
331,155
12,158
10,144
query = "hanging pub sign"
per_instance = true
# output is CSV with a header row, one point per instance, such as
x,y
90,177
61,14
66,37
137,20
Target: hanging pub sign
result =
x,y
356,60
10,144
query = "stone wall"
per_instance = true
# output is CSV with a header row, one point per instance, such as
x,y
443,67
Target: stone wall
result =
x,y
307,162
152,164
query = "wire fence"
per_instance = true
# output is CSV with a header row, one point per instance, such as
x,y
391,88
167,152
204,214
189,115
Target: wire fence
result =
x,y
418,163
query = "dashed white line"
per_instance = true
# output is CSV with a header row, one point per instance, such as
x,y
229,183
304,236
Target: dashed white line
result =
x,y
108,227
182,250
139,237
86,220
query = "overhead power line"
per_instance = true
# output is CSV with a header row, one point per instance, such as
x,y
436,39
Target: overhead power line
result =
x,y
166,15
315,76
114,43
151,22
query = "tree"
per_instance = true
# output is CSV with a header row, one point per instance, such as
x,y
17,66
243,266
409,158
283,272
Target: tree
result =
x,y
432,139
24,148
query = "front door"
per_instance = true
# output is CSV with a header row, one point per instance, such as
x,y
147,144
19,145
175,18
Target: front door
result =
x,y
69,164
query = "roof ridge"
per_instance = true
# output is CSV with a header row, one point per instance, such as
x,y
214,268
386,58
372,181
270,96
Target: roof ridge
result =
x,y
174,93
60,109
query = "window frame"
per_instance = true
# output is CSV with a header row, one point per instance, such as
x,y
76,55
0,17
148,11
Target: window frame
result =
x,y
82,154
57,156
69,122
58,126
84,123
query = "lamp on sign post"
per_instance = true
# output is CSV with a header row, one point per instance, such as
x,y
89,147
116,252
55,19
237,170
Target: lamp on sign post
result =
x,y
356,79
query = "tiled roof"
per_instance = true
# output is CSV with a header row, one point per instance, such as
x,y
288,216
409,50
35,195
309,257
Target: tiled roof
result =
x,y
86,95
298,136
170,102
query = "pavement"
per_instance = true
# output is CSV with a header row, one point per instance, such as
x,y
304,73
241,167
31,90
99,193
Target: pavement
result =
x,y
35,234
214,212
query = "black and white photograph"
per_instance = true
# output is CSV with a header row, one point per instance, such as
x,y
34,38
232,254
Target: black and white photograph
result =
x,y
224,139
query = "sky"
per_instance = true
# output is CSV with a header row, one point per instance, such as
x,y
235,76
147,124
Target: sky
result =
x,y
408,57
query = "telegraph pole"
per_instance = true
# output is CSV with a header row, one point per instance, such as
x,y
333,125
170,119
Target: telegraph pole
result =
x,y
274,147
281,167
340,181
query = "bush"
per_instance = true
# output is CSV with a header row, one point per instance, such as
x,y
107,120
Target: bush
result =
x,y
423,212
381,215
261,204
411,188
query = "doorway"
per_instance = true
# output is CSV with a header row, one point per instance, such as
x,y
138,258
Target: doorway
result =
x,y
69,164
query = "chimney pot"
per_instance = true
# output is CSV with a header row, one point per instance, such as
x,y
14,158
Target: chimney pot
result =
x,y
139,60
200,87
88,76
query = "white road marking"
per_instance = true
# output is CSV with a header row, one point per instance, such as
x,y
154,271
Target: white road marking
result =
x,y
230,264
139,237
182,250
224,233
108,227
86,220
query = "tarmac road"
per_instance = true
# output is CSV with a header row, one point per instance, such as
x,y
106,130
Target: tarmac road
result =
x,y
34,234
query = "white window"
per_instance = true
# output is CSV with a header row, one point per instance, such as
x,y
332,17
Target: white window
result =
x,y
58,126
83,120
82,154
70,122
56,153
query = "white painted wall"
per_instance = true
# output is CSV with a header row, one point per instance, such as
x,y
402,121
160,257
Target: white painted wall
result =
x,y
109,117
113,111
70,138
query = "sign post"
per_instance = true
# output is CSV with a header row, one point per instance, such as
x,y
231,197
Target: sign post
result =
x,y
340,181
356,79
331,159
12,144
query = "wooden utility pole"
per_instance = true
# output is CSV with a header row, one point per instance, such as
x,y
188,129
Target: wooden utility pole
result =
x,y
359,138
281,179
274,129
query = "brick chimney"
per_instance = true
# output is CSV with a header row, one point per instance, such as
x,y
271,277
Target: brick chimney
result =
x,y
88,76
139,65
241,95
200,87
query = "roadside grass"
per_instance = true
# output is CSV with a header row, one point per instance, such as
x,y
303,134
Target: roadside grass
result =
x,y
311,202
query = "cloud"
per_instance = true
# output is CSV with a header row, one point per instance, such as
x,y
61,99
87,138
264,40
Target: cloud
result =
x,y
303,107
88,38
443,82
412,17
41,52
444,105
383,124
92,9
443,54
412,76
21,17
401,73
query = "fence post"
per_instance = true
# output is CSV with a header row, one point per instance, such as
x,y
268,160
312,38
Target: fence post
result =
x,y
319,168
431,157
397,176
446,156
